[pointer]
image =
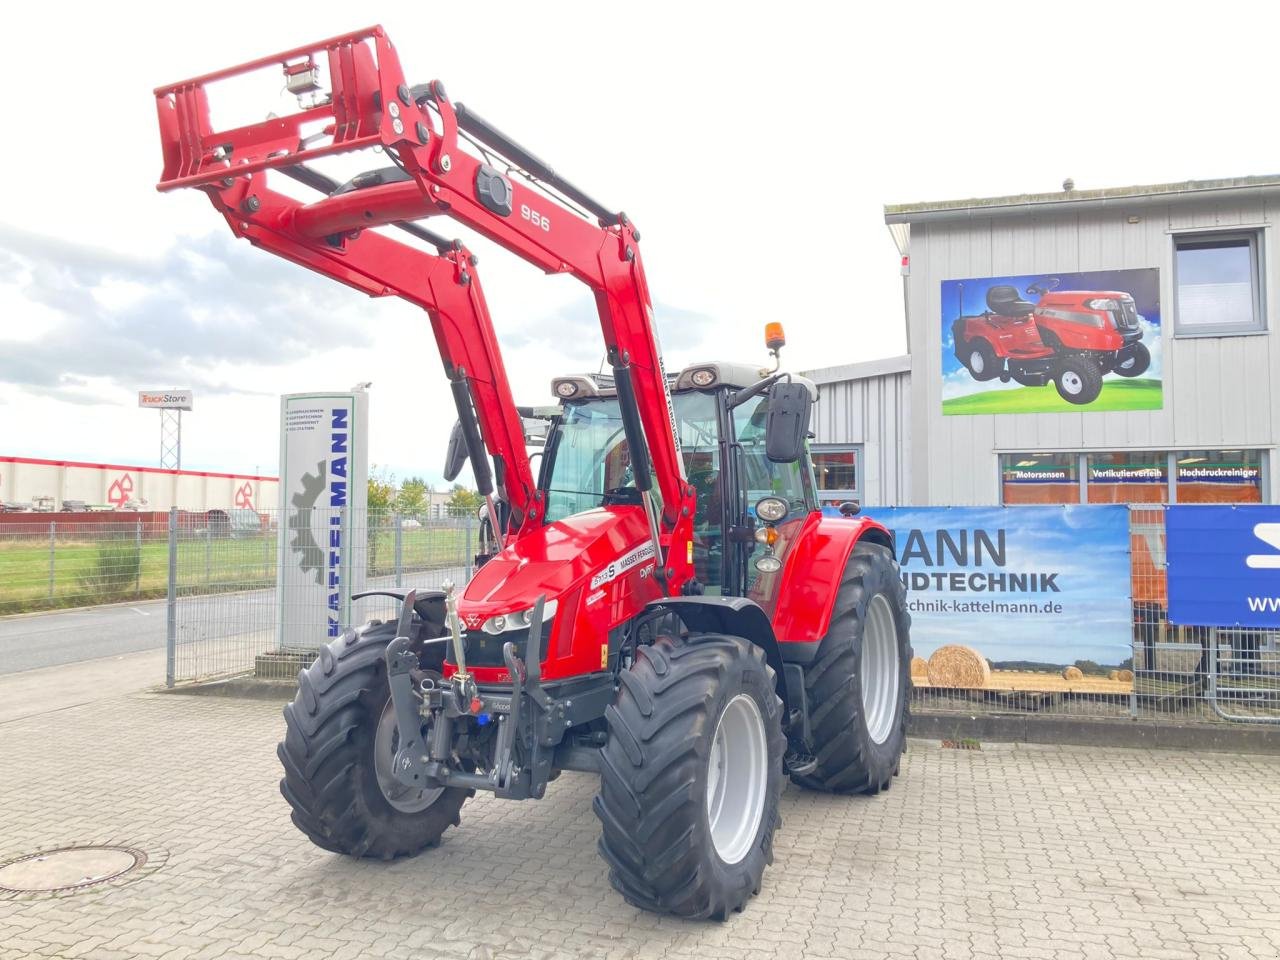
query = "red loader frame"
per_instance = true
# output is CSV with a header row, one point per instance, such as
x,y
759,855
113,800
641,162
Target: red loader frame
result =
x,y
371,105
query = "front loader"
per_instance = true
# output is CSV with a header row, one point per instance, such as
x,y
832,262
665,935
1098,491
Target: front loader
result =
x,y
664,605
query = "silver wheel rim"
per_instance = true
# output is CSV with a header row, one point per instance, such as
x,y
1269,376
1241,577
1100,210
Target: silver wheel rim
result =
x,y
386,742
880,666
1071,382
737,776
976,361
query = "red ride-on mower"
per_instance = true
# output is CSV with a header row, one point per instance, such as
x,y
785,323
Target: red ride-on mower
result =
x,y
1072,337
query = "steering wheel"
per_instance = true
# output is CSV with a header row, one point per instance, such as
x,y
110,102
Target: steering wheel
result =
x,y
1044,286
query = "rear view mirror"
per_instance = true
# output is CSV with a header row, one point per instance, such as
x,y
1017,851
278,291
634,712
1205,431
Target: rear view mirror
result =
x,y
788,421
456,455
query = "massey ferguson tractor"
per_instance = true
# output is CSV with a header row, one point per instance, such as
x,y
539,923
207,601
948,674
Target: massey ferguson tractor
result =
x,y
1072,337
664,604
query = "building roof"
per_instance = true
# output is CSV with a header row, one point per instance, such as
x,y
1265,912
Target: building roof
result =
x,y
1111,196
860,371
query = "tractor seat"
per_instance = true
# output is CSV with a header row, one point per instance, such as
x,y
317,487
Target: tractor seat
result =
x,y
1007,302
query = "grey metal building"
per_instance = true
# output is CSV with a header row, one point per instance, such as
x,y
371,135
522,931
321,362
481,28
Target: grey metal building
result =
x,y
1110,345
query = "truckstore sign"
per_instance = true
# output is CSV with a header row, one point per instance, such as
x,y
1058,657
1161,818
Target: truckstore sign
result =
x,y
324,477
166,399
1224,565
1021,585
1052,343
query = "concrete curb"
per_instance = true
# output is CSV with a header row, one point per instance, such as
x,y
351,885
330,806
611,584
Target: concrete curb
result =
x,y
992,728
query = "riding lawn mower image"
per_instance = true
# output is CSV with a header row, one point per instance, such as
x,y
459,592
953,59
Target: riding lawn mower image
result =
x,y
1070,337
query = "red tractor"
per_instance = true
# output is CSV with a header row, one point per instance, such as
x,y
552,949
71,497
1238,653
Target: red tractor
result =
x,y
1072,337
665,605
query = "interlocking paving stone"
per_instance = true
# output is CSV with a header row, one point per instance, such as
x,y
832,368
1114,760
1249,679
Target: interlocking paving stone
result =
x,y
1034,852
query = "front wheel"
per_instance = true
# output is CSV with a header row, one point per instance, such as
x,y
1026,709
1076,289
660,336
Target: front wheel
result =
x,y
981,360
1079,380
1133,360
691,775
858,683
340,739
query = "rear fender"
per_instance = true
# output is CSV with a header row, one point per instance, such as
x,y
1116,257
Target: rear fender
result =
x,y
811,579
737,616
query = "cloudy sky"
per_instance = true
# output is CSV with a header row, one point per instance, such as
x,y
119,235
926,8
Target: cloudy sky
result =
x,y
753,145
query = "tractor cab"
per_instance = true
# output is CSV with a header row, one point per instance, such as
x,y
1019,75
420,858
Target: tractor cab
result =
x,y
749,505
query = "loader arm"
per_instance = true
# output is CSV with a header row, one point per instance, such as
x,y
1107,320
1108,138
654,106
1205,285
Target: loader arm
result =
x,y
526,207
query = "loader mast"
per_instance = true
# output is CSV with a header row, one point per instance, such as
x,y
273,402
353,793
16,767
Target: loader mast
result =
x,y
525,206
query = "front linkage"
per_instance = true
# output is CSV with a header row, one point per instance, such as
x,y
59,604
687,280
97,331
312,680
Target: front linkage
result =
x,y
447,726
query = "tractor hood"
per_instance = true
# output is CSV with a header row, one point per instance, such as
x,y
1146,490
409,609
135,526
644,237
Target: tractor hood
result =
x,y
554,559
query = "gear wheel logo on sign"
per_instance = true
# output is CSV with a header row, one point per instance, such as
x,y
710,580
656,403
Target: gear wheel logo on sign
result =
x,y
304,540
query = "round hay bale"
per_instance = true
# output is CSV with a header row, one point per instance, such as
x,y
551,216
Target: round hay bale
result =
x,y
1125,676
1113,675
956,665
919,668
1072,673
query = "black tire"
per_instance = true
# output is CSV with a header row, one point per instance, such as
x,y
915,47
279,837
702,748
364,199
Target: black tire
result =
x,y
654,770
328,755
848,759
1078,379
980,360
1133,360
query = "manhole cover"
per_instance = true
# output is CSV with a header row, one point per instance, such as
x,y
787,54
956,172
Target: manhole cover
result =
x,y
68,869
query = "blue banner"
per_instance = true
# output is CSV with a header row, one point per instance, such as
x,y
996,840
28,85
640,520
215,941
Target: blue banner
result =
x,y
1224,565
1021,585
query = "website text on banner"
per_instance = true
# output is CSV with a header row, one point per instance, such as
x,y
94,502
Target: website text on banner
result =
x,y
1224,565
1047,586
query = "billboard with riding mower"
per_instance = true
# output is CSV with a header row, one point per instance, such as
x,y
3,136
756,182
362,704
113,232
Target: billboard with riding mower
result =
x,y
1052,343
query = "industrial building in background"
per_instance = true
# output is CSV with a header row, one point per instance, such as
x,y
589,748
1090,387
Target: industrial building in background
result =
x,y
29,485
1088,346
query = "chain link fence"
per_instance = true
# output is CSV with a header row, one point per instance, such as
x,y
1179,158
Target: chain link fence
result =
x,y
1173,673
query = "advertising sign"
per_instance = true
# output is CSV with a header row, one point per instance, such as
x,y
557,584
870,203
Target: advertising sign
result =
x,y
166,399
324,476
1224,565
1043,586
1052,343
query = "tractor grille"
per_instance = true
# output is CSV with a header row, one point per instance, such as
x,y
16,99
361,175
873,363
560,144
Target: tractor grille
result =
x,y
1127,316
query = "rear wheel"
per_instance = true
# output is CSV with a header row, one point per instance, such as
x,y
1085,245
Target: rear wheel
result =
x,y
981,360
1133,360
340,739
1078,380
858,684
691,775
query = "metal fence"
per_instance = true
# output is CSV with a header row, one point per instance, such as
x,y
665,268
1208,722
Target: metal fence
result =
x,y
1173,672
50,561
226,615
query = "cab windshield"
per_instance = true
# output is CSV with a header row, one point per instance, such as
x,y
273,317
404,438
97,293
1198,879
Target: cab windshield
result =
x,y
590,457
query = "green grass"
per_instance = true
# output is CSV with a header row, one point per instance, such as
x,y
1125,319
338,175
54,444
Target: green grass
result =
x,y
1117,394
217,565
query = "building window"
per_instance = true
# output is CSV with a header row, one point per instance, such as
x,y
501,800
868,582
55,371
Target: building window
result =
x,y
1128,477
1028,478
838,473
1218,284
1219,476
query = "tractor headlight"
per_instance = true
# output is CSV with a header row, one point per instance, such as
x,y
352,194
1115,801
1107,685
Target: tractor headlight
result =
x,y
703,377
768,564
517,620
771,509
1102,303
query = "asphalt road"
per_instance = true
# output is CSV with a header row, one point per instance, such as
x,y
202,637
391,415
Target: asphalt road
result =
x,y
31,641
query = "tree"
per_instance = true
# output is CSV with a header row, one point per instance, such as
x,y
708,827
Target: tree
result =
x,y
382,491
463,502
412,497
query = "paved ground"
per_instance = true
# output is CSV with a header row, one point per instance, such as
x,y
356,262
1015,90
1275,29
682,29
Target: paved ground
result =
x,y
1009,852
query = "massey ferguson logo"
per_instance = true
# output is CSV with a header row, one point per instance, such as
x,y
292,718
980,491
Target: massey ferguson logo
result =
x,y
473,622
623,565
